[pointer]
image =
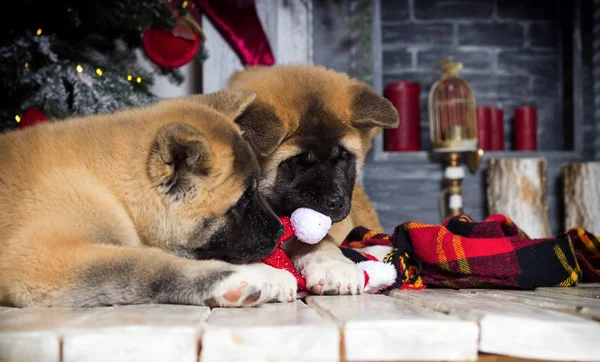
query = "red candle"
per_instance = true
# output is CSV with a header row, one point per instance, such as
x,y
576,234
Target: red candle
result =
x,y
497,130
405,98
526,129
484,114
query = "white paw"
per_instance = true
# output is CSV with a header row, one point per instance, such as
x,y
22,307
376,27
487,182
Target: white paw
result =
x,y
334,276
252,285
284,285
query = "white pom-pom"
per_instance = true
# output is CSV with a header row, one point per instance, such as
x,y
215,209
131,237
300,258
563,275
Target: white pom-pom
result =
x,y
309,225
380,274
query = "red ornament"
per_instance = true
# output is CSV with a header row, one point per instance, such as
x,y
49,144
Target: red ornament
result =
x,y
173,48
167,50
32,116
236,21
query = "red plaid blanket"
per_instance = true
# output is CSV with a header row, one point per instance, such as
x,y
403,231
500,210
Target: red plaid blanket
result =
x,y
495,253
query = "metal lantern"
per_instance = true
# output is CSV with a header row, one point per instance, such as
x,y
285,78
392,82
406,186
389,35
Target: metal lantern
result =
x,y
453,131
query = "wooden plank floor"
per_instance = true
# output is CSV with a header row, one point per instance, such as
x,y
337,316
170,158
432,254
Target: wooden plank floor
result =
x,y
549,324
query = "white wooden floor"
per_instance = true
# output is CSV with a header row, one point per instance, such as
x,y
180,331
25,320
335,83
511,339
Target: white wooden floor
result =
x,y
430,325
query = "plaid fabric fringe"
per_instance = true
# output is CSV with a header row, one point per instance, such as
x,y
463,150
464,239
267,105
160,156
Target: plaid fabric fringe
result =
x,y
495,253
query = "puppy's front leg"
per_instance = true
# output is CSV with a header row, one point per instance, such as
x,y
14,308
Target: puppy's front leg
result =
x,y
80,274
325,268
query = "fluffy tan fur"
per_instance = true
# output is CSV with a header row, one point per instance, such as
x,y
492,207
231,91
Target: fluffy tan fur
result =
x,y
359,113
84,220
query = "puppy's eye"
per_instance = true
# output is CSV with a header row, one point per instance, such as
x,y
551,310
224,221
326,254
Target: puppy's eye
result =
x,y
305,159
344,154
246,197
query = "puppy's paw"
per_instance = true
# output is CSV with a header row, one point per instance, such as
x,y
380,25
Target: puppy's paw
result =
x,y
284,285
334,276
252,285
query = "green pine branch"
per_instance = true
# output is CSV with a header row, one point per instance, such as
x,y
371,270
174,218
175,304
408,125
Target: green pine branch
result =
x,y
77,57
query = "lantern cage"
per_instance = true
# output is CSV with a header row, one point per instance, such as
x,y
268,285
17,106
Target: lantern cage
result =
x,y
453,132
452,112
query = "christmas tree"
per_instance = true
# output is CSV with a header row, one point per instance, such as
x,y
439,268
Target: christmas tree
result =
x,y
78,57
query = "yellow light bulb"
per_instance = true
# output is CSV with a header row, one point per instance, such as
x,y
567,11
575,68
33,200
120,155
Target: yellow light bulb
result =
x,y
79,68
138,79
69,10
99,71
18,118
26,65
39,31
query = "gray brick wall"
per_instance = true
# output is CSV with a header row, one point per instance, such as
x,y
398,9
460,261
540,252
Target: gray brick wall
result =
x,y
417,33
596,78
510,50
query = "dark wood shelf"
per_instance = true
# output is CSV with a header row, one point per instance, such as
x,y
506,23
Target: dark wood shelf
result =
x,y
423,156
378,155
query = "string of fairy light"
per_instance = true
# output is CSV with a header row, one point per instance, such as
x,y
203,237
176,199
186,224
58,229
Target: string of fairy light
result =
x,y
79,69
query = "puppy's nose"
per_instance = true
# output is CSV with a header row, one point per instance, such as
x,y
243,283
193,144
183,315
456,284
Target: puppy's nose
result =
x,y
334,203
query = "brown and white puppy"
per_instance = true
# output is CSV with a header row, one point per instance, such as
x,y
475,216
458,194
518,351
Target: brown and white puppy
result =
x,y
118,208
311,129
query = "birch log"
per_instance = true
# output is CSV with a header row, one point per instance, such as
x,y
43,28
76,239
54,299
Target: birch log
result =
x,y
582,196
516,187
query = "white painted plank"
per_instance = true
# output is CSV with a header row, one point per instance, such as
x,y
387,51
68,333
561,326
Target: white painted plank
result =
x,y
29,347
33,334
294,32
222,61
272,332
45,319
515,329
380,328
137,333
586,292
588,285
267,13
586,307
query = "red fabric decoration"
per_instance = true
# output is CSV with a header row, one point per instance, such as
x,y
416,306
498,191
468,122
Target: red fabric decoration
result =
x,y
238,23
167,50
280,260
32,116
496,253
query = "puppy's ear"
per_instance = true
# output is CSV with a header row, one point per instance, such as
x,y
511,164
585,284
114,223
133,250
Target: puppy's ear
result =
x,y
179,153
229,102
262,128
369,109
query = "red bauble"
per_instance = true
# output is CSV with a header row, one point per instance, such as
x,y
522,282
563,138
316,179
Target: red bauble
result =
x,y
167,50
32,116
